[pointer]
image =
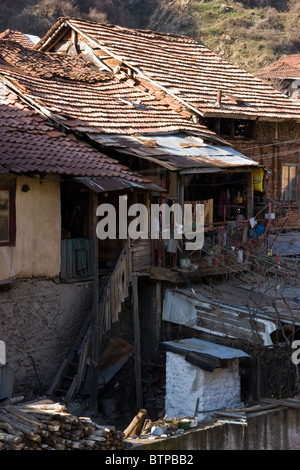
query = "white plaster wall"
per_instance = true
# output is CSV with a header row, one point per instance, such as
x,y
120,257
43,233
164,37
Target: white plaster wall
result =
x,y
185,383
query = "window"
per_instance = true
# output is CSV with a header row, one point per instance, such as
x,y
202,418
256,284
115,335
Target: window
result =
x,y
7,213
288,183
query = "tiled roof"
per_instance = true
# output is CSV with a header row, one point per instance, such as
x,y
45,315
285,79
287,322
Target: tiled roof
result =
x,y
29,143
86,99
189,71
16,36
286,67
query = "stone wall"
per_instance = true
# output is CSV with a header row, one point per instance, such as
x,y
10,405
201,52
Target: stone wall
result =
x,y
39,321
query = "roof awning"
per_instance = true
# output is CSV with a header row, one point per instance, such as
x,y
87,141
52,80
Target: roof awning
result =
x,y
179,152
199,346
203,354
109,184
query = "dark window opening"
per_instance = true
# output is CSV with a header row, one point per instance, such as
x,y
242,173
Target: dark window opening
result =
x,y
231,128
7,213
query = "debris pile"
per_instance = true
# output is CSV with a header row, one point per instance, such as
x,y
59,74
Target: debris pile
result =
x,y
142,428
45,425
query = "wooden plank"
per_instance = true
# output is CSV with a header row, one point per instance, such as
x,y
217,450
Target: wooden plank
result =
x,y
137,348
57,377
70,393
165,274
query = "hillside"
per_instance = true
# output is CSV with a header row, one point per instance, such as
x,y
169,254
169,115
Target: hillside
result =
x,y
249,33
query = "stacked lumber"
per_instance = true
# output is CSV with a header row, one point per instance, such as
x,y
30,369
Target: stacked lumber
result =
x,y
45,425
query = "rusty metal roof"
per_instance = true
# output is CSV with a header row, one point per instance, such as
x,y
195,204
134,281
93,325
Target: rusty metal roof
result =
x,y
105,184
185,69
179,152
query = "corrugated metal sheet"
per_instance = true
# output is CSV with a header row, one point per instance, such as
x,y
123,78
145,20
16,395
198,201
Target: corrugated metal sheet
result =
x,y
218,318
199,346
178,151
103,185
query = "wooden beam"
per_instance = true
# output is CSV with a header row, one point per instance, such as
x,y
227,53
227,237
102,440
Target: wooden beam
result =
x,y
250,196
137,345
96,318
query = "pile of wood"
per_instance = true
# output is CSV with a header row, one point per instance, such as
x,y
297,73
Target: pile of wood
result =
x,y
45,425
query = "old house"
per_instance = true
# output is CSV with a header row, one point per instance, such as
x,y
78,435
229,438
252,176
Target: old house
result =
x,y
47,242
283,74
201,130
255,119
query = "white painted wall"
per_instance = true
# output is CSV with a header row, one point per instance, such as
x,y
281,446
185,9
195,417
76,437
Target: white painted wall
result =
x,y
186,382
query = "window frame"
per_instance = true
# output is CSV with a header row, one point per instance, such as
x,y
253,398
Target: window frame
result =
x,y
10,186
289,190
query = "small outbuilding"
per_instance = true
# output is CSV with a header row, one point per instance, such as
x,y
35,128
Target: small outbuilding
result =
x,y
201,376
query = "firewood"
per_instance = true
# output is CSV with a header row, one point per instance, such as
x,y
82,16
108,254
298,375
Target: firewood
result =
x,y
135,424
30,427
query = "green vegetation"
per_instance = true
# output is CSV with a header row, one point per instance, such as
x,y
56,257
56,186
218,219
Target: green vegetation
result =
x,y
249,37
249,33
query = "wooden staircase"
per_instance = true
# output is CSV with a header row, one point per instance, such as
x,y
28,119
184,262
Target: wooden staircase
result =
x,y
72,372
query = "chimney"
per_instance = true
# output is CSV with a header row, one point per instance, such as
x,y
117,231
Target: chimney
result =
x,y
219,97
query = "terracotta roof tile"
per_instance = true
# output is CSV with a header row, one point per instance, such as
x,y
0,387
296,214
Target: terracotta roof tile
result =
x,y
286,67
16,36
88,100
188,70
28,142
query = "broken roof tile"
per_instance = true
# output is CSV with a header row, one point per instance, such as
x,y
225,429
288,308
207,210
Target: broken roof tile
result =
x,y
184,68
91,102
29,143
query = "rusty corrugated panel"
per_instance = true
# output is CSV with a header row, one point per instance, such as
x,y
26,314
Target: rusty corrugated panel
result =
x,y
103,185
178,151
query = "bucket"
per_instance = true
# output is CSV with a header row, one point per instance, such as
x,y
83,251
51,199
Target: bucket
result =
x,y
185,263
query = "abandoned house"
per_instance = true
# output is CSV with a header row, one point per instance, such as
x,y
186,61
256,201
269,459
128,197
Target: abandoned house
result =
x,y
191,128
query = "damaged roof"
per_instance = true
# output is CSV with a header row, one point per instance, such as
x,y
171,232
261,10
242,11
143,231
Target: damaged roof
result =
x,y
85,99
185,69
179,152
30,143
24,39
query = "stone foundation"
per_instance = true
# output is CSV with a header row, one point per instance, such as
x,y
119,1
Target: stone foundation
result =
x,y
39,321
